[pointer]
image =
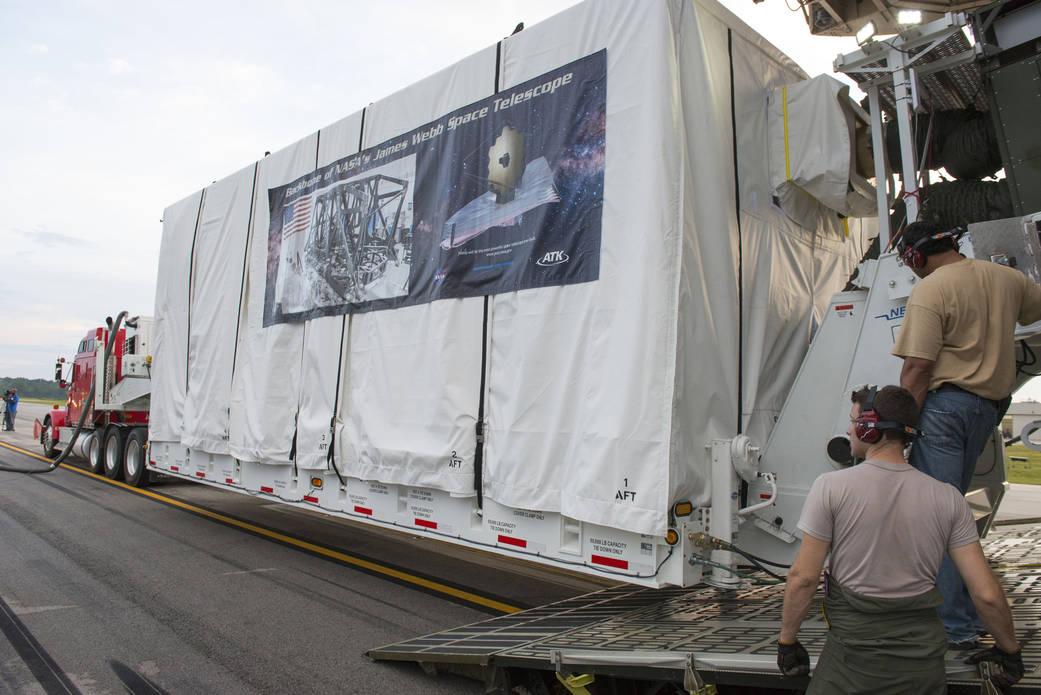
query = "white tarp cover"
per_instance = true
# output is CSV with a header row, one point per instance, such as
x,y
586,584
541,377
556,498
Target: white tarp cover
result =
x,y
600,397
216,289
811,150
170,338
413,374
265,390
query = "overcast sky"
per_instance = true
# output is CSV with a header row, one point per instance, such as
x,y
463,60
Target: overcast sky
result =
x,y
113,109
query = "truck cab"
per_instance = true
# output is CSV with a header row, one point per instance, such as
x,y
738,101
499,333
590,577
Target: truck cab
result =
x,y
83,365
114,428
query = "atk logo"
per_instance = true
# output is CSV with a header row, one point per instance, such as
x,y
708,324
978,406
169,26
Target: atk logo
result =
x,y
893,314
553,258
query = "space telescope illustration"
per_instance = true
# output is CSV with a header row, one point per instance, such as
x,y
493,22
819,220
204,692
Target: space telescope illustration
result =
x,y
514,188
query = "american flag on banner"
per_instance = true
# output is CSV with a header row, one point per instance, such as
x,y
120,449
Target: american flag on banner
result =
x,y
297,218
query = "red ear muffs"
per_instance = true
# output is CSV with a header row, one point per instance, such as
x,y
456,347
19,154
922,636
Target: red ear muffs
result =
x,y
913,257
866,427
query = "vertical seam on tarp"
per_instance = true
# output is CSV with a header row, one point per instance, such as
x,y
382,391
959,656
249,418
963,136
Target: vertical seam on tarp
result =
x,y
191,291
330,458
303,348
479,427
245,267
242,291
740,245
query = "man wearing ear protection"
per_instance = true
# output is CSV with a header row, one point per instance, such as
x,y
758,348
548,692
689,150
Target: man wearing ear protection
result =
x,y
887,526
957,341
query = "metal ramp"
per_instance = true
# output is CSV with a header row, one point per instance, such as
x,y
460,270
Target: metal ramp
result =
x,y
651,634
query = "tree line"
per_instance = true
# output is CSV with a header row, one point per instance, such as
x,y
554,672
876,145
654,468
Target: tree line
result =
x,y
32,388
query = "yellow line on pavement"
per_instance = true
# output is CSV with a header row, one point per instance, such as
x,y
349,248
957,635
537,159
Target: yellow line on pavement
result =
x,y
27,453
289,540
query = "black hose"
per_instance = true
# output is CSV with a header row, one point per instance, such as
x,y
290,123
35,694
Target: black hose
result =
x,y
759,565
113,328
763,560
1029,360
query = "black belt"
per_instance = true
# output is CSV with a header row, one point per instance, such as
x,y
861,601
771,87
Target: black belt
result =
x,y
949,387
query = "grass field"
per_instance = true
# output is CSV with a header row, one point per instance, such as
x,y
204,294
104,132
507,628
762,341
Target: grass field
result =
x,y
45,401
1028,471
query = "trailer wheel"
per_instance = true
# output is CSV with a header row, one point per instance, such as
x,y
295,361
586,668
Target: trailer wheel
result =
x,y
95,453
114,453
135,469
46,439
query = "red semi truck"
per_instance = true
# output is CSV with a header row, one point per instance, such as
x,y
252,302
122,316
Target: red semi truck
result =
x,y
113,436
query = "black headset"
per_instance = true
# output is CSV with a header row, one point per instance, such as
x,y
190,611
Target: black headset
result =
x,y
869,426
913,257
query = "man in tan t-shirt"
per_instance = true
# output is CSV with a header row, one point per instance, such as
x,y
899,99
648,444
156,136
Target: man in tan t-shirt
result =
x,y
957,341
887,526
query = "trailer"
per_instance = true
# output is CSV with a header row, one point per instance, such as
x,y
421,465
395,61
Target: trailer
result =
x,y
517,305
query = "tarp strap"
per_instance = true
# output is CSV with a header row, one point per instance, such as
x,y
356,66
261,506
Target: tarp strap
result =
x,y
330,458
303,345
245,266
740,241
292,447
191,291
479,426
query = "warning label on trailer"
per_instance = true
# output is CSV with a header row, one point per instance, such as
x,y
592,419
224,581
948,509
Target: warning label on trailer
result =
x,y
844,310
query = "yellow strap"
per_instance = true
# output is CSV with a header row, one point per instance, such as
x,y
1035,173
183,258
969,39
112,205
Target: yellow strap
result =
x,y
845,223
576,685
784,107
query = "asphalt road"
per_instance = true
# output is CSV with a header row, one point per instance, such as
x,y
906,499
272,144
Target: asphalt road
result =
x,y
105,590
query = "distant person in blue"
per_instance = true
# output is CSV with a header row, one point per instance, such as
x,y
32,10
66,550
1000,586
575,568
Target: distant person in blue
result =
x,y
11,401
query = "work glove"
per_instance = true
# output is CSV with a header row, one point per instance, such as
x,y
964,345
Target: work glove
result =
x,y
1009,667
794,660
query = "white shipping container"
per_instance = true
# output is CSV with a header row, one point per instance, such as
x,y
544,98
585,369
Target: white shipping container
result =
x,y
599,398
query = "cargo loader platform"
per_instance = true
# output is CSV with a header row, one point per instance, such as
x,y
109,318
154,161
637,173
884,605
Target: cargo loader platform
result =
x,y
698,635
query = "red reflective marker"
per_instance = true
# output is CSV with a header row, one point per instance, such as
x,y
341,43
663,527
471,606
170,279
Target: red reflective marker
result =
x,y
610,562
510,540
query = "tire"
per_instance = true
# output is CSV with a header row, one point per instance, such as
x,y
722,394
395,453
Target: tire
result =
x,y
96,453
46,439
113,458
135,458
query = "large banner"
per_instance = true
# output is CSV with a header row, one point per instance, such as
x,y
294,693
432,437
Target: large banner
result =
x,y
504,194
